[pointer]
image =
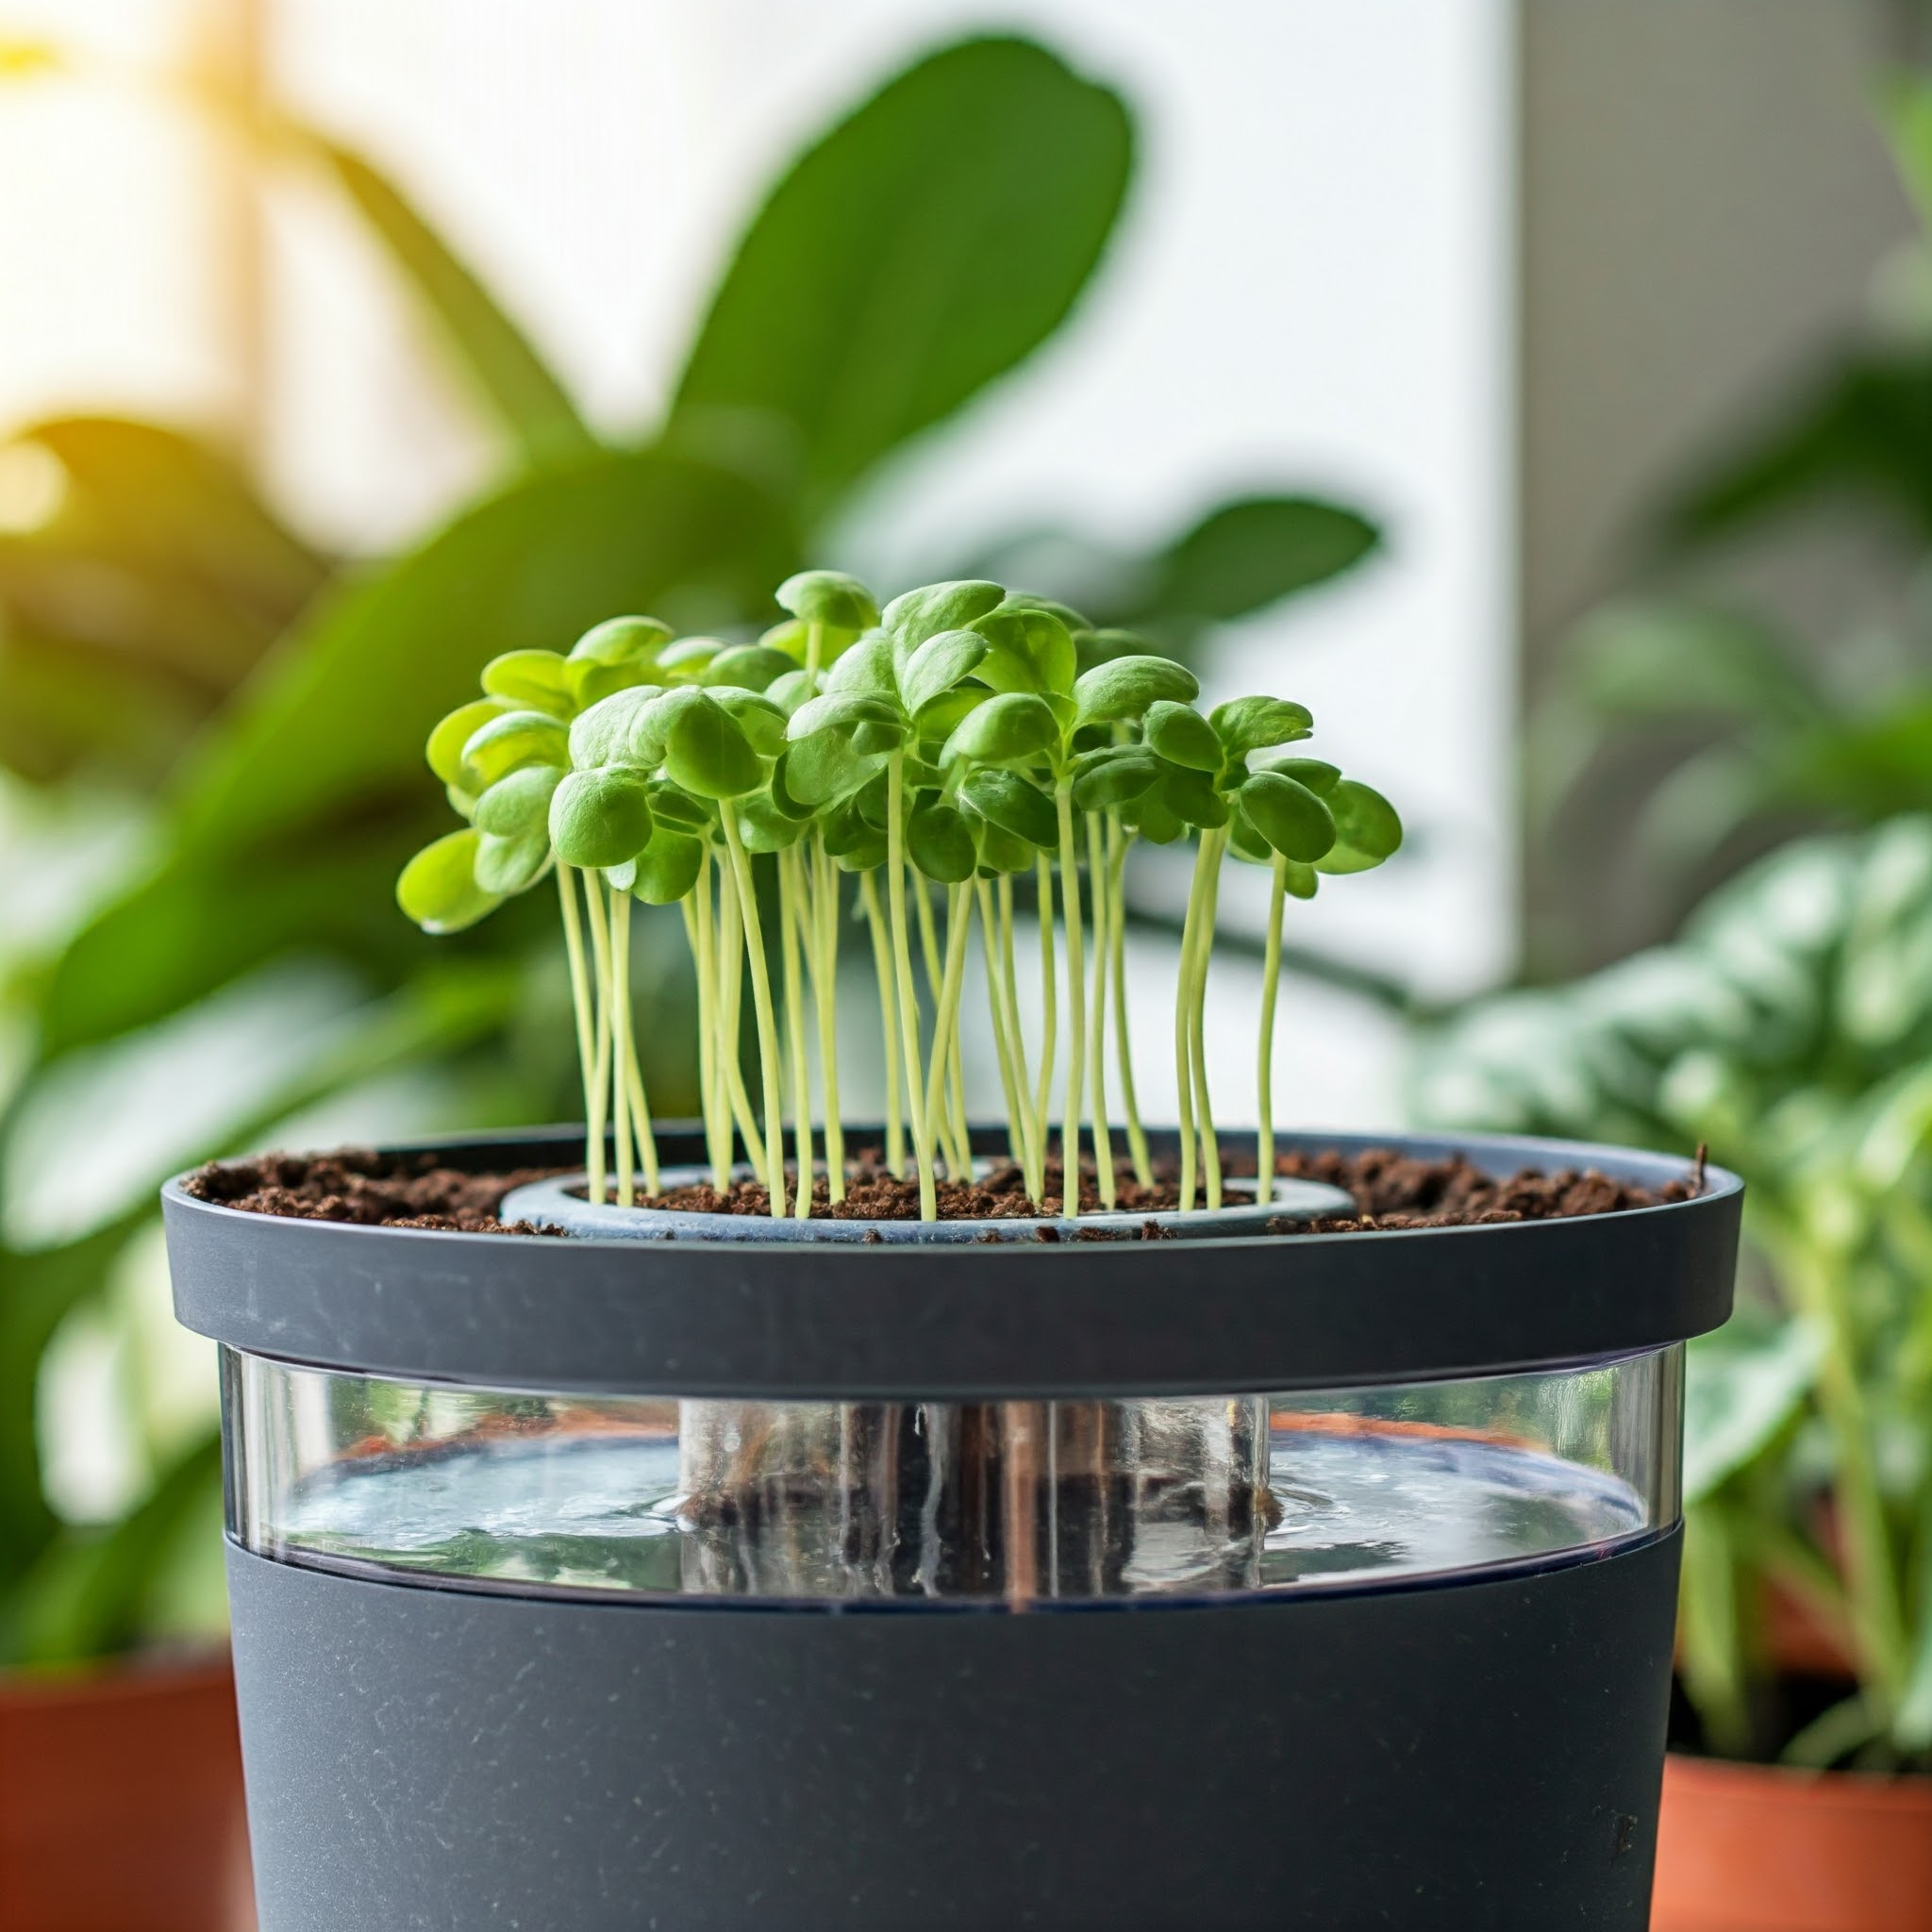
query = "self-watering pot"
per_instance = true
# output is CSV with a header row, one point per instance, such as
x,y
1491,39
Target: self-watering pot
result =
x,y
1284,1580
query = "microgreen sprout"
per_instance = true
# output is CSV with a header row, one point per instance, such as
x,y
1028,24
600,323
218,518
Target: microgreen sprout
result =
x,y
961,741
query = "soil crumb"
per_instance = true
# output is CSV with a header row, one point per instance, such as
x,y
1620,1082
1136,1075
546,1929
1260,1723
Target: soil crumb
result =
x,y
356,1184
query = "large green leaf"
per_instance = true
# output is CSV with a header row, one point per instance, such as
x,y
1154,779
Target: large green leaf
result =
x,y
1250,553
925,246
290,826
151,588
505,371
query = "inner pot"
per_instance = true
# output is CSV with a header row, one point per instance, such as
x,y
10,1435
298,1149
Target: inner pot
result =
x,y
1296,1580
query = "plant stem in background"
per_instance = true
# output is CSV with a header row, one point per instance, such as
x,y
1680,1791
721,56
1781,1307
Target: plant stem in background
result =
x,y
1049,1045
902,973
1030,1122
1183,1013
824,986
1197,1023
623,1062
940,1116
1096,1044
793,917
633,1071
1873,1602
1076,1002
1265,1072
600,1073
888,1021
1122,1029
696,907
730,999
762,1011
946,1030
1018,1142
584,1002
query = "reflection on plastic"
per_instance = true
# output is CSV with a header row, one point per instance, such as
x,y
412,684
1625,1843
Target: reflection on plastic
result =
x,y
991,1502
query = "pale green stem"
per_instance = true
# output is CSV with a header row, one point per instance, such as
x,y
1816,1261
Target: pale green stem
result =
x,y
1197,1027
730,1004
1183,1009
1096,1044
1017,1147
1076,1002
696,907
941,1118
1264,1073
826,1002
793,915
584,1000
902,973
1010,977
814,647
946,1023
1122,1029
626,1060
762,1011
1049,1012
888,1021
600,1077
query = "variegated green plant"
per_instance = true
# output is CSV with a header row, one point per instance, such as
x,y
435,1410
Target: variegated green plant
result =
x,y
961,737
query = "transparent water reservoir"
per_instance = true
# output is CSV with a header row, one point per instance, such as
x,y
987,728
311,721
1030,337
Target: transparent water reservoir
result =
x,y
1018,1503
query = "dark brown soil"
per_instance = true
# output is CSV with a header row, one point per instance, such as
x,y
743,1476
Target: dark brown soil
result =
x,y
373,1189
1396,1190
1391,1190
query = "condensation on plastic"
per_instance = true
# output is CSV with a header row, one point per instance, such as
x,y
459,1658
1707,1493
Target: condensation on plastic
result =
x,y
1013,1502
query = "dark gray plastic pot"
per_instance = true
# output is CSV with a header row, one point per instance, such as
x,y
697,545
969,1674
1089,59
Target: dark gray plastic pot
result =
x,y
1285,1581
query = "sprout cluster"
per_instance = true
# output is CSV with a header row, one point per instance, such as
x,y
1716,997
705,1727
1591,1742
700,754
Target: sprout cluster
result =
x,y
964,736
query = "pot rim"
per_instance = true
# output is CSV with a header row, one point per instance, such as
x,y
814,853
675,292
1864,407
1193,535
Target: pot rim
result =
x,y
809,1320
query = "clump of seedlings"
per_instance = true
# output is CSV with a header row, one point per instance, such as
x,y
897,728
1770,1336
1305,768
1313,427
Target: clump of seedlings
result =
x,y
905,768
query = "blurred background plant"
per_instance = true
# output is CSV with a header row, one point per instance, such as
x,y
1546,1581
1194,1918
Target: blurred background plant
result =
x,y
1787,1024
214,723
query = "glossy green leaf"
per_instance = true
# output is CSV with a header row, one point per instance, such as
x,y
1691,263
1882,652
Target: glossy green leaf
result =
x,y
601,816
614,731
519,805
938,665
1251,724
1180,735
938,839
822,768
936,722
706,751
680,810
1152,818
841,711
510,864
1318,777
851,838
922,248
616,654
1189,797
444,750
1122,688
1031,651
540,680
501,744
829,597
915,616
668,867
437,888
1300,881
1000,851
762,722
763,826
751,667
1367,830
1006,730
1114,777
1294,820
1014,804
866,670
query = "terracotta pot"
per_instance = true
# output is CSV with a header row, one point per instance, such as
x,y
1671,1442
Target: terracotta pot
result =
x,y
121,1801
1754,1848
